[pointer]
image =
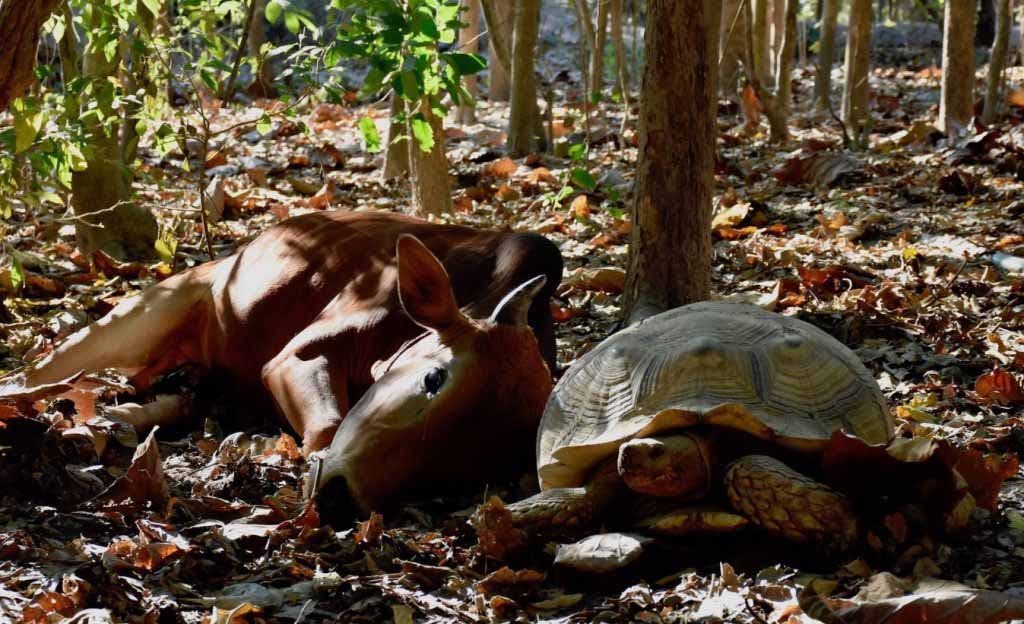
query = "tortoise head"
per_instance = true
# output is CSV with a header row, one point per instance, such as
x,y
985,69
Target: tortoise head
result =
x,y
456,404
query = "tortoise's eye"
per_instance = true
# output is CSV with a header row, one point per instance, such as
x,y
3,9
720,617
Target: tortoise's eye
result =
x,y
434,380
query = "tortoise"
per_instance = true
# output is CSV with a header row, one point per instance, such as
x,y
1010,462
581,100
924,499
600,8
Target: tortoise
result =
x,y
708,400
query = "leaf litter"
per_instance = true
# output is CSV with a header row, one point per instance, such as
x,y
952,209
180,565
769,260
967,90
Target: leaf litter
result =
x,y
910,252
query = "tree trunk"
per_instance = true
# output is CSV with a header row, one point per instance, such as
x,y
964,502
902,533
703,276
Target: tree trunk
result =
x,y
670,249
858,61
523,118
778,20
597,52
784,90
498,90
587,34
826,54
956,105
263,80
469,43
621,62
20,23
1000,52
107,219
396,159
761,46
730,48
431,193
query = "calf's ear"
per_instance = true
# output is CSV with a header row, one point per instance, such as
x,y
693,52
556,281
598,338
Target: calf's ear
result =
x,y
424,289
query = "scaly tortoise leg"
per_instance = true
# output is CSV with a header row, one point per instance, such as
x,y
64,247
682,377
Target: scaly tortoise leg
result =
x,y
567,508
784,501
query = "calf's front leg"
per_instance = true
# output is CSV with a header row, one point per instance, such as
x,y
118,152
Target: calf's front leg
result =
x,y
311,393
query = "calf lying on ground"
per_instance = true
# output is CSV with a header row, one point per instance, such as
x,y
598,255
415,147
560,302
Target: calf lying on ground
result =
x,y
414,353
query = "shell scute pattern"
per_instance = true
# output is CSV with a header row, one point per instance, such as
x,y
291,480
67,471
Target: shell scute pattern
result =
x,y
716,362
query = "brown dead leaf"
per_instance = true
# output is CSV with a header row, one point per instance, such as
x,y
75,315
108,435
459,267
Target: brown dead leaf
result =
x,y
731,216
603,279
541,175
111,267
495,530
831,280
323,198
958,182
999,387
580,207
370,531
502,168
287,447
819,169
142,482
728,233
216,158
751,105
1015,98
930,600
510,582
558,315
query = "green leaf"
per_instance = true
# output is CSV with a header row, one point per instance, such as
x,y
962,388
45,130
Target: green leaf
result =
x,y
410,88
264,125
291,22
465,64
153,6
370,134
577,151
166,247
422,132
583,179
27,123
17,273
273,12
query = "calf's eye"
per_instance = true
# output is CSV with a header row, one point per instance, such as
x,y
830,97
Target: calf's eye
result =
x,y
434,380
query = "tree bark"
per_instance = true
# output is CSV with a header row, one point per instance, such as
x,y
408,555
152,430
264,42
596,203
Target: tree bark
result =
x,y
396,158
107,219
20,23
761,46
826,55
431,193
263,80
731,34
597,52
523,117
956,104
469,42
500,18
1000,52
621,62
778,21
858,60
670,249
784,91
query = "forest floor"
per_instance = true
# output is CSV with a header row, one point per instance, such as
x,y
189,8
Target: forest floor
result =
x,y
911,252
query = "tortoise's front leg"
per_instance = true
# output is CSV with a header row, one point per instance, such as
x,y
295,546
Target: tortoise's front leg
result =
x,y
566,508
784,501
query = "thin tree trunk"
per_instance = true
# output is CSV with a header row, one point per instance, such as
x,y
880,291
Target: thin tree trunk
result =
x,y
784,91
670,249
586,30
761,46
858,60
523,116
500,18
469,43
396,159
773,109
731,37
826,55
778,19
956,104
621,62
20,23
1000,52
431,193
263,80
597,52
101,194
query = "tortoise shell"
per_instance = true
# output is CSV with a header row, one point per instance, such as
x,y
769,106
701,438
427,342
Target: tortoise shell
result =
x,y
724,364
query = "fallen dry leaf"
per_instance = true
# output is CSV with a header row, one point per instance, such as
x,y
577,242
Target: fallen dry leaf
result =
x,y
142,482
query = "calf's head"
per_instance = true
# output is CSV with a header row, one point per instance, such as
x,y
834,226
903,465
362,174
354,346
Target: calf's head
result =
x,y
457,404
